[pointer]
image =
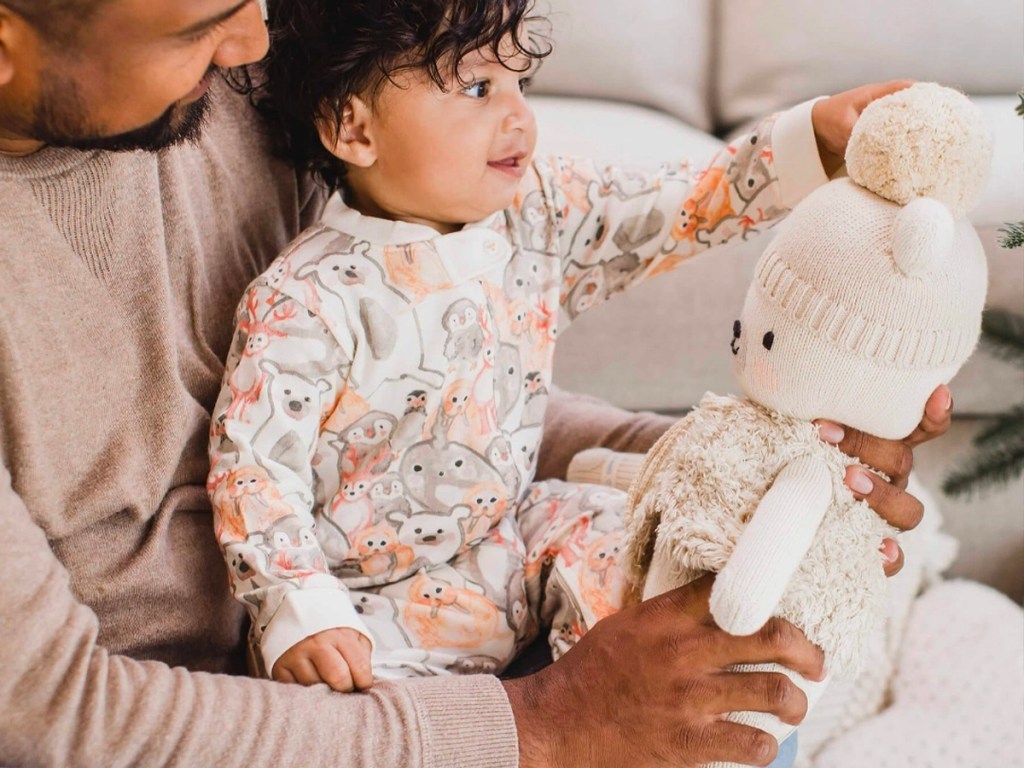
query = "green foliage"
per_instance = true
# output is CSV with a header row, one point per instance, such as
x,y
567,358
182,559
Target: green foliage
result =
x,y
1002,333
1013,235
1000,445
991,466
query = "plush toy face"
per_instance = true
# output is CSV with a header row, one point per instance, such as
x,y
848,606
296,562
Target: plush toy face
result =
x,y
859,309
774,369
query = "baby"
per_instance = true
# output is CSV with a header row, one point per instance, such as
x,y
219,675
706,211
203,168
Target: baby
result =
x,y
374,443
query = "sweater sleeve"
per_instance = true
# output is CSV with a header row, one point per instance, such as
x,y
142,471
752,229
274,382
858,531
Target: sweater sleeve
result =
x,y
266,425
65,700
613,227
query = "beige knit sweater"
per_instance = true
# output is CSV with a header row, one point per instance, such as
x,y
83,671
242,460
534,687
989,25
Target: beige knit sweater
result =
x,y
121,273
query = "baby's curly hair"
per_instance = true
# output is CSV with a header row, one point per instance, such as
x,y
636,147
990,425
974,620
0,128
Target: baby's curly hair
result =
x,y
323,52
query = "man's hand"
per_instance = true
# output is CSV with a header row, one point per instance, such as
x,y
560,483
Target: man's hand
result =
x,y
648,687
833,119
895,458
339,657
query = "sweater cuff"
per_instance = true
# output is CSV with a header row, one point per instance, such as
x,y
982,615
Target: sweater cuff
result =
x,y
795,151
454,737
303,613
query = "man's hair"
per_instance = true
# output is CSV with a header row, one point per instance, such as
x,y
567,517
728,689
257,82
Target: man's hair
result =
x,y
60,19
323,52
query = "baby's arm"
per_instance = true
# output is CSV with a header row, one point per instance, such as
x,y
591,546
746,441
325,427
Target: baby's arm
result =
x,y
613,227
264,432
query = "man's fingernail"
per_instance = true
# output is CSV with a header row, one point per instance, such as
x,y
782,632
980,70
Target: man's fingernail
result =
x,y
890,552
945,400
859,482
830,433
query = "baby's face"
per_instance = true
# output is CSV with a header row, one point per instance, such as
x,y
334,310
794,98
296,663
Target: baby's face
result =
x,y
447,158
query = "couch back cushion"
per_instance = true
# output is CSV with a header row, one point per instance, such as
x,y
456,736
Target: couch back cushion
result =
x,y
655,53
771,55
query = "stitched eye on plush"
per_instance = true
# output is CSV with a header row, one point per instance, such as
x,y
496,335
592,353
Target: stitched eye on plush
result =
x,y
736,329
768,340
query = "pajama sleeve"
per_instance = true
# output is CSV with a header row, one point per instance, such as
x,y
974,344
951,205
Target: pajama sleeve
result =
x,y
282,378
613,227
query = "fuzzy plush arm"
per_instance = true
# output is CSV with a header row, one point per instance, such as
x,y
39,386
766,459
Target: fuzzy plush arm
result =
x,y
749,587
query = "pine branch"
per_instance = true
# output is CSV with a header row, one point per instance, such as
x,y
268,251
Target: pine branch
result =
x,y
1000,454
1005,427
988,468
1013,235
1002,332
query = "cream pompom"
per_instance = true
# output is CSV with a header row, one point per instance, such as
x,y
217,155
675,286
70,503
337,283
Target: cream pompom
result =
x,y
924,141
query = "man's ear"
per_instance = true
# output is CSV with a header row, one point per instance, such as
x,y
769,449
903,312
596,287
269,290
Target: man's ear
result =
x,y
351,139
8,35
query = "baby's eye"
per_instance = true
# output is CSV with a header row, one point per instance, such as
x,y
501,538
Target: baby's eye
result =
x,y
477,90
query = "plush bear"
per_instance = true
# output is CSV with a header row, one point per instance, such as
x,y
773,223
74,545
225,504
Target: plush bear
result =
x,y
868,297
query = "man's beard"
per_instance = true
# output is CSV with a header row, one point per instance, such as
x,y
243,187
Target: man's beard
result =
x,y
60,122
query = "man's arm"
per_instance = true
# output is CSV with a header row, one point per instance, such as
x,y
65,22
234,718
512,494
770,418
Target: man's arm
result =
x,y
575,422
64,700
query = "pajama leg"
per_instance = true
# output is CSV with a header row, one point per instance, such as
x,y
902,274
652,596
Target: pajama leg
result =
x,y
463,616
573,577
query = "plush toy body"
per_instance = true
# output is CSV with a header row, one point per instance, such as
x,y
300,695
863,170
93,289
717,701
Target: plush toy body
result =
x,y
730,458
869,297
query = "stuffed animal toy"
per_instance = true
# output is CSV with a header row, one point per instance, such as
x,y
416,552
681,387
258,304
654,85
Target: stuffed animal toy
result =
x,y
868,297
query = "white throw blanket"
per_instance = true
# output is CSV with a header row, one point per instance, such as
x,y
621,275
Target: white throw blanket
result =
x,y
944,683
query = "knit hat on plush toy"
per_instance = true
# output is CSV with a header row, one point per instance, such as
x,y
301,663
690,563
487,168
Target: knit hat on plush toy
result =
x,y
871,293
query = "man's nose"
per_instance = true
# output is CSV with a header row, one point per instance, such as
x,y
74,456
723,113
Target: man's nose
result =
x,y
245,38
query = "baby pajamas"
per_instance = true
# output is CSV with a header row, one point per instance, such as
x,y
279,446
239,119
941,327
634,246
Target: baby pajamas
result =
x,y
374,443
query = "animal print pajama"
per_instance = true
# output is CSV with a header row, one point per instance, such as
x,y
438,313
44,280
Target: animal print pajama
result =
x,y
374,443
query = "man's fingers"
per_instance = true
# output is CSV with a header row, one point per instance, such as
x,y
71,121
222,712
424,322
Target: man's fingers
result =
x,y
893,457
892,557
729,742
938,415
690,600
770,692
777,642
893,504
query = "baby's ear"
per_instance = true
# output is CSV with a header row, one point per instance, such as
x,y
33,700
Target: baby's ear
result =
x,y
349,138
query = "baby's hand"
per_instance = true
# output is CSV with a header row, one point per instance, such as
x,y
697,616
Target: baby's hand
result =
x,y
339,657
833,119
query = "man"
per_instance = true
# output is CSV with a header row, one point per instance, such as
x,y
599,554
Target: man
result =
x,y
122,272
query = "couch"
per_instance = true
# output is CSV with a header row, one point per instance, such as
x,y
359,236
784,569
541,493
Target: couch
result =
x,y
654,80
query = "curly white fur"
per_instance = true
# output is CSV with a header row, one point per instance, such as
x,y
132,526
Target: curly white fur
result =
x,y
694,500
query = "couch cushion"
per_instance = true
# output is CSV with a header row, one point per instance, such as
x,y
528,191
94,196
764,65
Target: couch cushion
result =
x,y
598,47
616,133
774,54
